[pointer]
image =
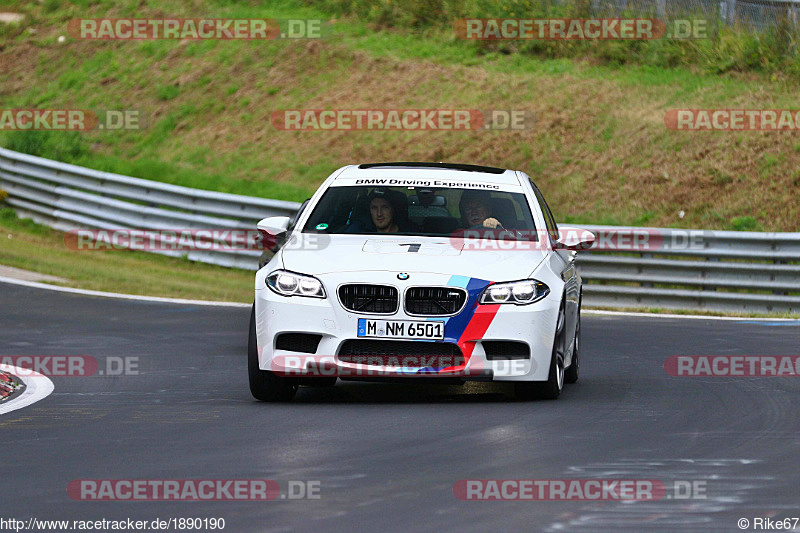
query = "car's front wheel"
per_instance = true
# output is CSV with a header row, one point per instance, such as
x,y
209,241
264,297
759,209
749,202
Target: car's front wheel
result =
x,y
265,385
571,375
550,389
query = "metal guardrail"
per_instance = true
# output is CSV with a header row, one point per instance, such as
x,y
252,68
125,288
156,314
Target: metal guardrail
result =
x,y
677,269
67,197
730,271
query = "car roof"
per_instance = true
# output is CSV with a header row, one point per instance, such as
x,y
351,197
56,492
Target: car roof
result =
x,y
446,171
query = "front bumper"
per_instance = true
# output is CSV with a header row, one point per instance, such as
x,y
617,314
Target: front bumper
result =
x,y
533,325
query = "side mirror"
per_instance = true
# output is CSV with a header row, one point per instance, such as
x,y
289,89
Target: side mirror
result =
x,y
273,225
575,239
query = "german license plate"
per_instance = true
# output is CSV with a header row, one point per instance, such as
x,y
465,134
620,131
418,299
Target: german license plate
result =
x,y
401,329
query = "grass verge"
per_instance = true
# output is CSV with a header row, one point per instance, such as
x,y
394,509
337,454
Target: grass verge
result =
x,y
599,148
30,246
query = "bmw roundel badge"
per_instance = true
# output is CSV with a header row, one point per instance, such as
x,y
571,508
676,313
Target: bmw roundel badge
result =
x,y
402,276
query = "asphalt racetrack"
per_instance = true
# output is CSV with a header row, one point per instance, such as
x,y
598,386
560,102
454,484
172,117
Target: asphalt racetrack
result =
x,y
386,456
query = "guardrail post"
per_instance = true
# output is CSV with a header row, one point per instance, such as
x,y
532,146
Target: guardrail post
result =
x,y
645,255
730,12
779,262
713,260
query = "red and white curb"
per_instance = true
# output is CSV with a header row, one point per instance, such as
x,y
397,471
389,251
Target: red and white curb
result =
x,y
37,387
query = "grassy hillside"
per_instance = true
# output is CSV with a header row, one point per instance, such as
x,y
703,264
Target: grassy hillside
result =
x,y
599,149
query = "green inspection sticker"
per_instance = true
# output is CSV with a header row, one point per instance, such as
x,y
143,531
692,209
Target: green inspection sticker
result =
x,y
322,227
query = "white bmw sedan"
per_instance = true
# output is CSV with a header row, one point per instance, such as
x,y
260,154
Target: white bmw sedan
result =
x,y
419,271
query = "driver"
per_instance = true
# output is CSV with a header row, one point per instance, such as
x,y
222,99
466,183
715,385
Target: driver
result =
x,y
385,209
476,210
383,216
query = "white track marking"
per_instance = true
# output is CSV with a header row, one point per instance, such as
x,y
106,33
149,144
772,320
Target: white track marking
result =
x,y
37,387
693,317
27,275
102,294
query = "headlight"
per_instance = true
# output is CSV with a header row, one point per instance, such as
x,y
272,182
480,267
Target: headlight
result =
x,y
288,283
515,292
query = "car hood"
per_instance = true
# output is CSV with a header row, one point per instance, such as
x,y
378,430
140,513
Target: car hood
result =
x,y
323,254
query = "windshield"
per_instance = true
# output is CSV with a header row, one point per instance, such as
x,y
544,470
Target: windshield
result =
x,y
421,211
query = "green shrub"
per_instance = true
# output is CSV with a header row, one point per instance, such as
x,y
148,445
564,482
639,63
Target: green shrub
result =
x,y
725,49
744,224
59,145
167,92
